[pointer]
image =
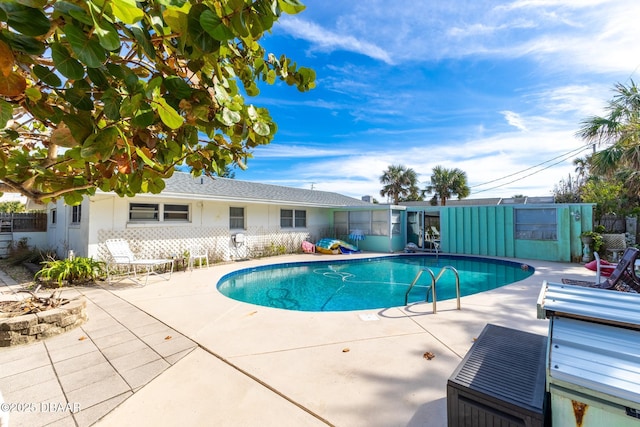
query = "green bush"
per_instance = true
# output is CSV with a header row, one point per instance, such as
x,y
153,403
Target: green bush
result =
x,y
71,271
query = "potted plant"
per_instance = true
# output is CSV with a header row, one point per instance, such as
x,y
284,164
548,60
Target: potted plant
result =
x,y
593,239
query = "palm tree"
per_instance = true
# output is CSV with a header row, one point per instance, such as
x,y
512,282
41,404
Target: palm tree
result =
x,y
400,184
619,131
448,182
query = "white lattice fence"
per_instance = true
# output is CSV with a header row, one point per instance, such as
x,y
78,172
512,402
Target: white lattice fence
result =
x,y
162,242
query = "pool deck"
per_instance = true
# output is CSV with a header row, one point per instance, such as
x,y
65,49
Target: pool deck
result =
x,y
178,352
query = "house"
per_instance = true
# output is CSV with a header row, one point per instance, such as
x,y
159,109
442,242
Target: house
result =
x,y
233,219
236,219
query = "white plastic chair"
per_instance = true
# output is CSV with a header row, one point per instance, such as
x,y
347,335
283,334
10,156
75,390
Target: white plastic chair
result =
x,y
122,256
199,253
600,267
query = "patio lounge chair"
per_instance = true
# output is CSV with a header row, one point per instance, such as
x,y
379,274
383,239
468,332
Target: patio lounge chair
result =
x,y
198,253
124,263
600,266
623,278
433,238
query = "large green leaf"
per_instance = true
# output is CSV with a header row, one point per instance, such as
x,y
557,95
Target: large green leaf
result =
x,y
261,128
144,157
73,10
102,143
26,20
21,43
199,37
213,25
46,75
73,198
143,118
107,35
229,117
68,66
142,37
33,3
88,50
81,125
127,11
98,78
291,6
79,96
6,113
168,115
177,87
111,100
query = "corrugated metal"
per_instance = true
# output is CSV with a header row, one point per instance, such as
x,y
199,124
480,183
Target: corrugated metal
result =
x,y
602,358
589,303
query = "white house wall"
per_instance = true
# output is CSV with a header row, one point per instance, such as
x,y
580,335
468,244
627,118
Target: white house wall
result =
x,y
63,235
208,226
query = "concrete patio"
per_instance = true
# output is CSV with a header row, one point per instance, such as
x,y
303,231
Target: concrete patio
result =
x,y
179,353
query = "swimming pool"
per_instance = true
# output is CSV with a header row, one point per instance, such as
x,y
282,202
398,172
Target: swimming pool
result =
x,y
367,283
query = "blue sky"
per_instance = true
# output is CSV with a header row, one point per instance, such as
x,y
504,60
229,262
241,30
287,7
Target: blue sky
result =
x,y
494,88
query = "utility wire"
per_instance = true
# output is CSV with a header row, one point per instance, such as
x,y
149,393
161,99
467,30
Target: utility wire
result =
x,y
531,174
572,152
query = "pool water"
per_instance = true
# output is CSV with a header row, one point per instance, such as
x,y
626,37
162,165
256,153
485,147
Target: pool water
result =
x,y
368,283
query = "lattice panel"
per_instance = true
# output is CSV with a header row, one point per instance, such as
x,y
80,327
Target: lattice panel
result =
x,y
167,242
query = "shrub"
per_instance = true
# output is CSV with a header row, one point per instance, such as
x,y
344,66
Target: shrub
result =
x,y
72,271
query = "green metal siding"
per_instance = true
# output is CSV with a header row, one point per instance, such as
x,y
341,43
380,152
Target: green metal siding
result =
x,y
490,230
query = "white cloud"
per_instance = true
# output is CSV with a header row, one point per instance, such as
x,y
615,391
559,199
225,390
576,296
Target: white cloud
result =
x,y
326,40
514,120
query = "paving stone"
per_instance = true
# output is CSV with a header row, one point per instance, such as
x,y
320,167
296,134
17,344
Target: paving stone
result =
x,y
28,362
26,379
153,328
136,319
69,366
65,340
90,415
177,356
99,392
86,376
175,345
135,359
123,349
79,347
9,354
141,375
113,339
39,392
103,329
39,418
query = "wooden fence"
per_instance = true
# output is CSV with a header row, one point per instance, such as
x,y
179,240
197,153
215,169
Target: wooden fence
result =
x,y
11,222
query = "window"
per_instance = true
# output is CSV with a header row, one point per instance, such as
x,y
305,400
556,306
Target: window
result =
x,y
395,223
380,223
176,213
360,220
143,212
76,214
236,218
54,216
341,222
290,218
536,224
370,222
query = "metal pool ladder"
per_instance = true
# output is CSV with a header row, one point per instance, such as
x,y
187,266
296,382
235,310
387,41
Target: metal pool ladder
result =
x,y
434,280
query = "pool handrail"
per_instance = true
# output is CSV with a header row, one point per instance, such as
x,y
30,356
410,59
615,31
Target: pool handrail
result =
x,y
434,280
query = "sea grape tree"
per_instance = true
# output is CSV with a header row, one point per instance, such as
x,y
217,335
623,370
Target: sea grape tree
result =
x,y
113,94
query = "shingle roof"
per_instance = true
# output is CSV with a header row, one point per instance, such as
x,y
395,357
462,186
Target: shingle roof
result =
x,y
183,185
